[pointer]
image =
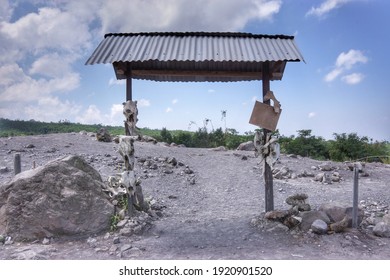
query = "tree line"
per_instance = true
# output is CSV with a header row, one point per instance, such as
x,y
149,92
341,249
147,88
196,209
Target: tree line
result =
x,y
343,147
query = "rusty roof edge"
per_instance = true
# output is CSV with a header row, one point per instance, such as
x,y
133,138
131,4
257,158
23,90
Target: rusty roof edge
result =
x,y
203,34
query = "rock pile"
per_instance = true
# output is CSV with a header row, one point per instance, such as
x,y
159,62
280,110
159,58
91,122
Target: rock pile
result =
x,y
327,174
331,217
165,165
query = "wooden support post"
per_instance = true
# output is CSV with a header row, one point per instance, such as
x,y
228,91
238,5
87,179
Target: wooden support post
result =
x,y
355,197
129,96
268,179
17,164
129,93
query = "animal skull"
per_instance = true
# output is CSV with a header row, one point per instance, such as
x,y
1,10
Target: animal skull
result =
x,y
130,111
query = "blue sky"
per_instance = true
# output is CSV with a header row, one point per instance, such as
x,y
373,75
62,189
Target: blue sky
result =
x,y
342,87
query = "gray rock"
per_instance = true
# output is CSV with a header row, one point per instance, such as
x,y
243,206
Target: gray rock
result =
x,y
282,173
277,215
297,199
219,149
67,192
172,160
326,166
382,229
4,169
116,240
246,146
150,139
45,241
386,219
336,212
319,227
319,177
308,217
103,135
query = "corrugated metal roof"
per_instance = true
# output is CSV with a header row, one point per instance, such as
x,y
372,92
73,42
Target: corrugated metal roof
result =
x,y
195,56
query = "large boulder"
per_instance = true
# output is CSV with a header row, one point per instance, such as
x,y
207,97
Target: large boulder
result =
x,y
62,198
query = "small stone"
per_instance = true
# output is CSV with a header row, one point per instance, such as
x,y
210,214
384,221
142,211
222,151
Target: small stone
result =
x,y
3,169
304,207
30,146
122,223
382,229
126,231
326,166
113,249
2,239
340,226
277,214
126,247
168,171
46,241
319,227
116,240
172,161
187,170
319,177
296,199
8,241
92,241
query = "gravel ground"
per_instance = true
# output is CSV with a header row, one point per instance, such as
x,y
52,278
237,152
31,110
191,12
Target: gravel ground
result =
x,y
209,214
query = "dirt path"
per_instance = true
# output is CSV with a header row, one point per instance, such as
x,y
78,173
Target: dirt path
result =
x,y
212,218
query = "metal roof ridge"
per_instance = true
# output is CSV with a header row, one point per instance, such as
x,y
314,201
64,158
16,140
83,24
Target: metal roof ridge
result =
x,y
203,34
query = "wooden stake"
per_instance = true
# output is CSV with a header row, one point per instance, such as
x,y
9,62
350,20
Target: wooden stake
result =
x,y
355,197
268,179
17,164
129,96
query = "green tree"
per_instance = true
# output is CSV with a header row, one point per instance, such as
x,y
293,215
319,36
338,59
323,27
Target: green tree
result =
x,y
166,136
348,147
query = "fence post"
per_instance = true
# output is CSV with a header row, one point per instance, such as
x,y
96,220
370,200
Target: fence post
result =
x,y
17,164
355,197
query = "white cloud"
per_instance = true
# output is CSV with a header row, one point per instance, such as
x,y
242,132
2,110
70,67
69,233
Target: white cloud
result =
x,y
174,101
39,50
168,110
353,78
24,88
211,90
344,62
52,65
143,103
6,10
91,116
326,7
333,74
312,115
254,98
184,15
349,59
50,28
114,81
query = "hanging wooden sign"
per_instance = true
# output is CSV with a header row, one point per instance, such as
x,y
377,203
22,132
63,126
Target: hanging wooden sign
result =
x,y
264,116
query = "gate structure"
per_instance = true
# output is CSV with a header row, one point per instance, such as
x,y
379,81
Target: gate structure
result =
x,y
200,57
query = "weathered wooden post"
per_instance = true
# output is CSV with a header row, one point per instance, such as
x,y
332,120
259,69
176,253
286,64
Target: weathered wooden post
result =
x,y
268,179
17,164
129,97
355,196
